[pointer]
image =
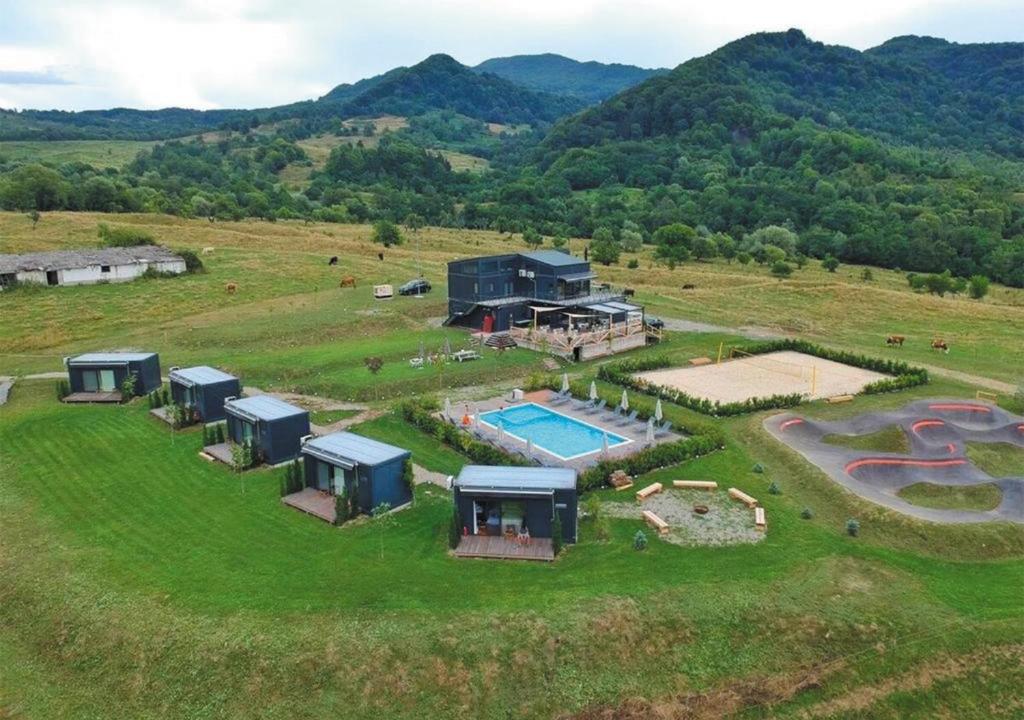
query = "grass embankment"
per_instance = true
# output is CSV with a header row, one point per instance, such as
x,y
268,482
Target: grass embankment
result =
x,y
952,497
997,459
98,153
891,439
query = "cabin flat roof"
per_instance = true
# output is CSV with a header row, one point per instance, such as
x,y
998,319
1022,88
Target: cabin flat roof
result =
x,y
200,375
353,448
113,358
263,407
509,477
83,258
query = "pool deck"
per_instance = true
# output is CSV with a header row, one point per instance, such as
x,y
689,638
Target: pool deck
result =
x,y
635,432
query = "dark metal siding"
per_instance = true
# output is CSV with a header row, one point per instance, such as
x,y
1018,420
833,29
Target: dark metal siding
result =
x,y
281,438
538,511
210,400
147,373
386,484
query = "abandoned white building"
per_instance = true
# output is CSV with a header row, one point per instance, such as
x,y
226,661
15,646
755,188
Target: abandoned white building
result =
x,y
82,267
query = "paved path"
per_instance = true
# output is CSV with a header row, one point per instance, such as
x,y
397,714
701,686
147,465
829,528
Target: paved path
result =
x,y
46,376
937,430
422,475
5,388
997,385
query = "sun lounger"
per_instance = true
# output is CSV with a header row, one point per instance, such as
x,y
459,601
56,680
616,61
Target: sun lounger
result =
x,y
630,418
596,408
665,427
582,404
560,398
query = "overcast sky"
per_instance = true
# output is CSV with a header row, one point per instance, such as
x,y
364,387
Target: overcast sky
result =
x,y
256,53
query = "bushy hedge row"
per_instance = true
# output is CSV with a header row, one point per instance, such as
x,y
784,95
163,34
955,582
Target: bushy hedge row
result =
x,y
650,459
622,373
421,415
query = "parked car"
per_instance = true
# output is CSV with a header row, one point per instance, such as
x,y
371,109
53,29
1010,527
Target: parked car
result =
x,y
419,286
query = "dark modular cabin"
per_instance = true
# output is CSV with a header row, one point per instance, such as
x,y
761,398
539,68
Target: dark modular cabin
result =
x,y
274,427
491,500
495,292
344,463
106,372
204,389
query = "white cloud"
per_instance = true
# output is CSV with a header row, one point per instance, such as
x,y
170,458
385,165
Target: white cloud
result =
x,y
248,53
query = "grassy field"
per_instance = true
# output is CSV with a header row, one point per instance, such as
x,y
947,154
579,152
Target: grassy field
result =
x,y
891,439
98,153
997,459
951,497
133,574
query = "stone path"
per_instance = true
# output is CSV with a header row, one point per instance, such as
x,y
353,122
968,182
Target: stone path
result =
x,y
422,475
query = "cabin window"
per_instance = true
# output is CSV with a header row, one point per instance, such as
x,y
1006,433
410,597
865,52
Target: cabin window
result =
x,y
7,279
104,268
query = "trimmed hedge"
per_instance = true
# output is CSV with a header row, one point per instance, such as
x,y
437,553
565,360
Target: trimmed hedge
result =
x,y
421,415
621,373
652,458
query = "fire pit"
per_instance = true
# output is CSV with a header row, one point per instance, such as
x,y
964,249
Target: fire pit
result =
x,y
701,509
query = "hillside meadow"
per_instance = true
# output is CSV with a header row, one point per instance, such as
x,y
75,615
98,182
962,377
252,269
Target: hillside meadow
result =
x,y
133,574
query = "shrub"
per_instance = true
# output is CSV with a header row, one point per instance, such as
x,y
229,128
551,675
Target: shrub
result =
x,y
221,433
852,527
556,533
807,513
758,468
341,509
128,387
866,275
633,264
640,540
123,236
454,529
192,262
419,414
830,264
781,269
386,233
63,389
409,477
978,286
774,489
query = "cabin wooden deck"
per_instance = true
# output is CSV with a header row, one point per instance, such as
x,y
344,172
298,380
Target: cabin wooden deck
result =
x,y
221,452
314,502
94,397
162,413
483,546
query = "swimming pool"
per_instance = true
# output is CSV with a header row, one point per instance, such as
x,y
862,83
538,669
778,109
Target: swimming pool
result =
x,y
560,435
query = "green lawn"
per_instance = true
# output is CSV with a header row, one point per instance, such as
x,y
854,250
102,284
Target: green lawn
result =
x,y
950,497
997,459
329,417
891,439
98,153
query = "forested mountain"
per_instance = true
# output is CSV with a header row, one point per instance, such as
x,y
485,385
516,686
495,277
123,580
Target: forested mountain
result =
x,y
117,123
590,81
442,83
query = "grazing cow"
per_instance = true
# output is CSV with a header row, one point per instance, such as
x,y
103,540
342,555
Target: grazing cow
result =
x,y
628,292
940,344
895,340
689,286
348,281
232,288
333,260
380,256
207,251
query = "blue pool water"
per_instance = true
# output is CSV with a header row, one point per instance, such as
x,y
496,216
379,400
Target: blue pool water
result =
x,y
558,434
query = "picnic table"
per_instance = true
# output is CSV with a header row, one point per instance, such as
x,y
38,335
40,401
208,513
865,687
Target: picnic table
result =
x,y
463,355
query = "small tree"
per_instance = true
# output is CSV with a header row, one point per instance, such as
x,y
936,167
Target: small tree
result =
x,y
414,222
386,233
640,540
409,478
63,389
605,251
34,217
774,489
341,512
830,264
556,533
532,238
383,519
220,432
374,363
559,241
978,286
743,258
852,527
781,269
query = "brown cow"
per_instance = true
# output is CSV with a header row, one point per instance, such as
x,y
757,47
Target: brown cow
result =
x,y
348,281
940,344
895,340
232,288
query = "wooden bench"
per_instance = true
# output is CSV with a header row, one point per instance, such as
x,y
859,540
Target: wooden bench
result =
x,y
655,522
759,519
836,399
698,361
736,494
651,489
695,484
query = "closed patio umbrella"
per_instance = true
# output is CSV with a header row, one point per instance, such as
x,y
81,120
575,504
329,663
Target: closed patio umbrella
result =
x,y
501,431
593,390
650,431
565,382
447,346
625,401
476,419
657,410
604,443
529,448
447,407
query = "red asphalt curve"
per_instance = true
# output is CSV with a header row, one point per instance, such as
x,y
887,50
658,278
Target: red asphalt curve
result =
x,y
850,467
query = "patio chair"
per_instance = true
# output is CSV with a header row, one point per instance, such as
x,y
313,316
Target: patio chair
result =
x,y
629,418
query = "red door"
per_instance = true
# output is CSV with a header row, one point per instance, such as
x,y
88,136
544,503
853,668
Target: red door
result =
x,y
488,323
